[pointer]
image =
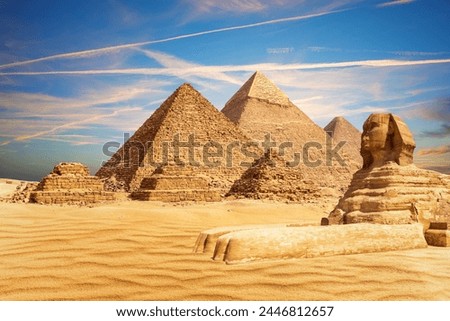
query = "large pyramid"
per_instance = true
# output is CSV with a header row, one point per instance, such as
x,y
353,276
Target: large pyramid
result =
x,y
341,130
186,116
260,108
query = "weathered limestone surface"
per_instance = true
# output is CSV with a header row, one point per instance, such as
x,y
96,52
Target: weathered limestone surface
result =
x,y
70,183
341,130
206,240
314,241
390,189
394,194
438,237
260,108
271,178
23,192
173,183
186,113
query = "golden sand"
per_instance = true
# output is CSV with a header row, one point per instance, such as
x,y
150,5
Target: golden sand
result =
x,y
143,251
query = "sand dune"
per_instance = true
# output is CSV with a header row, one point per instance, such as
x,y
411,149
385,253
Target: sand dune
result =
x,y
143,251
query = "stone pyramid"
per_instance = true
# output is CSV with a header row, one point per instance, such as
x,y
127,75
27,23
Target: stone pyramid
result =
x,y
259,108
70,183
172,183
186,116
270,178
341,130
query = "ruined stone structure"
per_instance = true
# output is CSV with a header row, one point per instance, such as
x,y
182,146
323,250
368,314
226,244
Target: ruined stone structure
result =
x,y
271,178
390,189
340,131
172,183
260,109
188,130
70,183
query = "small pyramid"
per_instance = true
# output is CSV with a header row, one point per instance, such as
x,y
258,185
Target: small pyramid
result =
x,y
260,108
70,183
185,116
271,178
341,130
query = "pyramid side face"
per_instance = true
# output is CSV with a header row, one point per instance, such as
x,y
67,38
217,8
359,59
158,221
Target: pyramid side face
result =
x,y
259,87
342,130
260,107
185,115
192,114
264,89
124,163
285,123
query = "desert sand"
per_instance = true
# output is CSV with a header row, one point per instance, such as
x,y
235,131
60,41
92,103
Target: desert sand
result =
x,y
134,250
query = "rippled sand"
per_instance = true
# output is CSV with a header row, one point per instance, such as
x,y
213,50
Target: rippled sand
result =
x,y
143,251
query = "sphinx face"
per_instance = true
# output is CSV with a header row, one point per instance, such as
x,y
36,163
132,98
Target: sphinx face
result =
x,y
375,131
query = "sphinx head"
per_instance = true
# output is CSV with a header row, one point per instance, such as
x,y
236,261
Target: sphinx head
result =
x,y
386,138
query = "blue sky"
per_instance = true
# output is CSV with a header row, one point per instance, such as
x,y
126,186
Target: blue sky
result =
x,y
77,74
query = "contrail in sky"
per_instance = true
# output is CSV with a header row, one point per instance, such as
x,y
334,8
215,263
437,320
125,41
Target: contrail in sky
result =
x,y
85,53
383,63
68,125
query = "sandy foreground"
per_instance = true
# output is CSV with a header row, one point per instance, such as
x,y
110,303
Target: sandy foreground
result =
x,y
135,250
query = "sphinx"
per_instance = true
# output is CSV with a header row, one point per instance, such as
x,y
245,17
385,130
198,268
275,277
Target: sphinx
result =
x,y
390,205
390,189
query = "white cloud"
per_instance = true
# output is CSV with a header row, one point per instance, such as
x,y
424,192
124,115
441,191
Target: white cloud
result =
x,y
175,63
38,116
439,150
236,6
198,70
394,3
105,50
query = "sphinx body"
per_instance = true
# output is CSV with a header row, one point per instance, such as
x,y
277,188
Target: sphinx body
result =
x,y
390,189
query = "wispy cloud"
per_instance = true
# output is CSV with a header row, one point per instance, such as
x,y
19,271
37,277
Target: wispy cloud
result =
x,y
394,3
90,120
101,106
236,6
217,7
175,63
437,110
29,103
404,53
443,131
434,151
382,63
100,51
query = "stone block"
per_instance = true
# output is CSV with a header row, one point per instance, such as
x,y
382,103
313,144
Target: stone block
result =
x,y
439,237
316,241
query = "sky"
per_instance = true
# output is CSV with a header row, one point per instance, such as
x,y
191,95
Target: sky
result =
x,y
75,75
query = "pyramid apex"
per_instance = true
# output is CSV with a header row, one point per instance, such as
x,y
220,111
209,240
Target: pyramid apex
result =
x,y
185,86
260,87
185,89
